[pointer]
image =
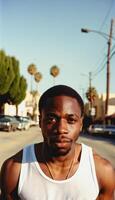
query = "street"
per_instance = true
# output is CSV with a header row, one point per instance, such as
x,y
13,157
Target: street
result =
x,y
12,142
102,145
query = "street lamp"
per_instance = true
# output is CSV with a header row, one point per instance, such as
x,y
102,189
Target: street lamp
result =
x,y
105,35
108,37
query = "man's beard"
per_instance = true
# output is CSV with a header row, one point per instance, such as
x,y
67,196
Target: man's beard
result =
x,y
55,149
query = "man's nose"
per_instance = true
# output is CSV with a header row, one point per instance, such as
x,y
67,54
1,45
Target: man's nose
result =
x,y
62,126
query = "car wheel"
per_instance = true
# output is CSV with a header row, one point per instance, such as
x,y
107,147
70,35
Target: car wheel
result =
x,y
26,127
14,128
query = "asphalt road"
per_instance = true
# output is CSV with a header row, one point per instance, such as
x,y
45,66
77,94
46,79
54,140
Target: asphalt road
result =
x,y
12,142
105,146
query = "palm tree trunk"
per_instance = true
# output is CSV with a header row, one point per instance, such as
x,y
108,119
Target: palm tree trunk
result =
x,y
1,108
16,109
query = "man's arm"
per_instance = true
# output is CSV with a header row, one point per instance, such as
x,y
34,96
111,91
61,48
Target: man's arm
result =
x,y
9,177
106,178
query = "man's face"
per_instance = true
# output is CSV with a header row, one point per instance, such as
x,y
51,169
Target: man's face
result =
x,y
61,122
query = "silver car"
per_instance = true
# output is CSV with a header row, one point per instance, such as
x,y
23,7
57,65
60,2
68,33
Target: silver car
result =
x,y
8,123
24,124
102,129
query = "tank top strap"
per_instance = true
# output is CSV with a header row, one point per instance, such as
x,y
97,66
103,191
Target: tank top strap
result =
x,y
27,157
87,157
28,153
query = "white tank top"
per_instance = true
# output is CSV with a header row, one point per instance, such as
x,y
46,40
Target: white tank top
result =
x,y
35,185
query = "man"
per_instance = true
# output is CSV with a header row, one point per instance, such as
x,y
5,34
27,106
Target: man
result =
x,y
58,168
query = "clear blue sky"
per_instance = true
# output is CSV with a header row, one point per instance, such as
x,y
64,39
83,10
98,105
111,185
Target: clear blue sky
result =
x,y
48,32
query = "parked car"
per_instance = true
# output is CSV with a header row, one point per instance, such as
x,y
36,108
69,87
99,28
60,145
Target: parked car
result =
x,y
102,129
95,128
3,115
8,123
110,129
24,123
32,122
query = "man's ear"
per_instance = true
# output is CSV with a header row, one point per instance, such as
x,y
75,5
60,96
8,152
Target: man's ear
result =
x,y
40,121
81,128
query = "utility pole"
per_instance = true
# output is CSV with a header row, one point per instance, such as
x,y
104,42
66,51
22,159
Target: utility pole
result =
x,y
108,69
90,85
109,38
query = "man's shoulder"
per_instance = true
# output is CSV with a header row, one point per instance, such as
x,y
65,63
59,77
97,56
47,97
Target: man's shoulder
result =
x,y
105,171
15,159
10,172
102,162
11,165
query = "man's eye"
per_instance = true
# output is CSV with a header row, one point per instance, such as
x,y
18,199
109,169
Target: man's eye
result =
x,y
72,120
51,120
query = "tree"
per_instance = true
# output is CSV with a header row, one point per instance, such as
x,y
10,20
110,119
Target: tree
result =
x,y
21,93
12,85
37,77
7,73
32,70
54,71
13,90
91,94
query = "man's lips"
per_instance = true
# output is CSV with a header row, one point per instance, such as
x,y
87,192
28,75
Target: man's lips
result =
x,y
60,140
63,141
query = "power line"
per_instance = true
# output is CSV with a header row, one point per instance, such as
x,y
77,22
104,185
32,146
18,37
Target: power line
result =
x,y
107,15
97,71
99,64
113,48
101,69
104,65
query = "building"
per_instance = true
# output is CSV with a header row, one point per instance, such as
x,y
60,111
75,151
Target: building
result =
x,y
98,108
29,106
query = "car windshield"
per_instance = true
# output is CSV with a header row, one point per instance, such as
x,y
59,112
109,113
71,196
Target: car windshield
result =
x,y
110,126
5,119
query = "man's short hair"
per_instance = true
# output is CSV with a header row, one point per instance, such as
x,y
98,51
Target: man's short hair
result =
x,y
60,90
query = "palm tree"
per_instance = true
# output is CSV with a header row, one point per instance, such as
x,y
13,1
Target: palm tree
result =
x,y
37,77
54,71
32,70
91,94
35,95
